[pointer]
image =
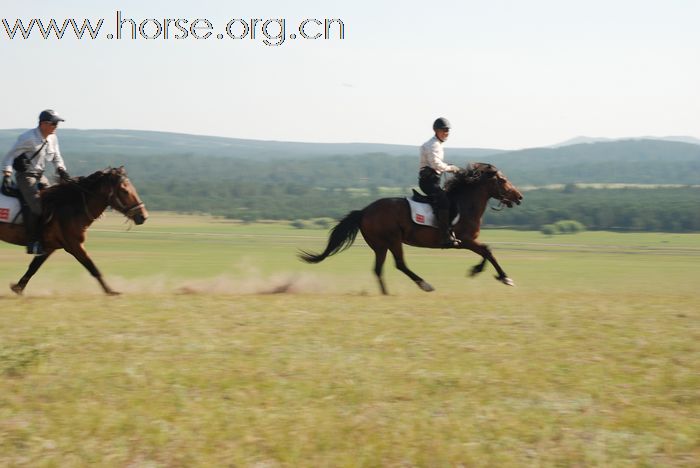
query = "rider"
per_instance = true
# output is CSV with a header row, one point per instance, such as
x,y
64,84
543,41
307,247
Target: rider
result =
x,y
431,167
28,157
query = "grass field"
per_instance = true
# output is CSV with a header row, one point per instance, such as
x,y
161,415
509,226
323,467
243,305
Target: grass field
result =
x,y
593,359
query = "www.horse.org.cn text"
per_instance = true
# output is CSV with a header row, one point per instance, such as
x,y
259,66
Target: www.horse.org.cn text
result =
x,y
270,32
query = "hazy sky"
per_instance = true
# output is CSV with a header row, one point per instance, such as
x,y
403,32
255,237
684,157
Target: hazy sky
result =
x,y
508,74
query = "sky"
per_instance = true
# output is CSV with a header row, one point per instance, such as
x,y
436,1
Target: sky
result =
x,y
507,74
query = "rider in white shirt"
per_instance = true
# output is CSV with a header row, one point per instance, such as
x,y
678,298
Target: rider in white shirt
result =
x,y
28,157
432,165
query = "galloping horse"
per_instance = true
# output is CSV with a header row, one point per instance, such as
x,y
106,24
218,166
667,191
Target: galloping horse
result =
x,y
386,224
69,209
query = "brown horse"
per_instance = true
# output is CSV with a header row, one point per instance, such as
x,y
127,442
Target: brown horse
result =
x,y
386,224
69,209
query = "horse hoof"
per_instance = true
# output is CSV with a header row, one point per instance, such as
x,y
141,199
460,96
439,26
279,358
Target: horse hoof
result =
x,y
505,280
114,293
425,286
17,289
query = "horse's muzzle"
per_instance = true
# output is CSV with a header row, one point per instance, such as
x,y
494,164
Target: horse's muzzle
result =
x,y
140,217
137,214
513,200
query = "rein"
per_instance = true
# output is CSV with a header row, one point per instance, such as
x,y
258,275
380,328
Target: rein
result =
x,y
116,202
498,207
87,212
112,201
501,196
476,176
126,211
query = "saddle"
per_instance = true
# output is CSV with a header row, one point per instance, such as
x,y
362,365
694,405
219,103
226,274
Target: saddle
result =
x,y
11,203
422,211
420,198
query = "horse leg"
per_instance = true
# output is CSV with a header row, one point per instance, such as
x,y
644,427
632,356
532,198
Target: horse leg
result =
x,y
476,269
379,257
36,263
81,255
397,252
485,252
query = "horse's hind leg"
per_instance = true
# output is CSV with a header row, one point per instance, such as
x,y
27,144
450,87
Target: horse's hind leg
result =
x,y
397,252
379,257
37,261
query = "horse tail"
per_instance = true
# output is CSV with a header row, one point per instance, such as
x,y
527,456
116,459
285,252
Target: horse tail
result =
x,y
342,236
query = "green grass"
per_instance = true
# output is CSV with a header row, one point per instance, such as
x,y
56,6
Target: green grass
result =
x,y
593,359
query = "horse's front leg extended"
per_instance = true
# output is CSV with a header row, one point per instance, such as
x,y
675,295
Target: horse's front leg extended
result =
x,y
36,263
81,255
476,269
485,252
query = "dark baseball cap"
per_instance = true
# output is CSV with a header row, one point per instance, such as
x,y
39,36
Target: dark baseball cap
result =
x,y
50,115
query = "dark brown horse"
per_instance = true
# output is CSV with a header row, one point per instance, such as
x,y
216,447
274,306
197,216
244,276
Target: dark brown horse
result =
x,y
69,209
386,224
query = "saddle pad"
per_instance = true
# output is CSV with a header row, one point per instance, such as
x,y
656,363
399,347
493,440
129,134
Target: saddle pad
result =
x,y
10,211
422,213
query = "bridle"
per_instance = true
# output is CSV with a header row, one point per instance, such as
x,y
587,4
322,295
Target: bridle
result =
x,y
116,203
113,200
501,196
478,174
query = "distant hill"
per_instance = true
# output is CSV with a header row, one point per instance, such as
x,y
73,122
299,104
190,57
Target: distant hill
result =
x,y
251,180
135,142
584,139
624,161
160,155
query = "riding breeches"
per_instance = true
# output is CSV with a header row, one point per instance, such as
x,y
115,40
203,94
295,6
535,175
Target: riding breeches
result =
x,y
429,183
28,185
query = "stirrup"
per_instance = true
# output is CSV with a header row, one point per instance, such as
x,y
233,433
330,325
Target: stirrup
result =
x,y
451,241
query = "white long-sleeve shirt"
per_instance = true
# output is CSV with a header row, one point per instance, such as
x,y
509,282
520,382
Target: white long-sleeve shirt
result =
x,y
432,155
29,142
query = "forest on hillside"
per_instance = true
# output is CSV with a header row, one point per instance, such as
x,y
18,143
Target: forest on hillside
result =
x,y
314,188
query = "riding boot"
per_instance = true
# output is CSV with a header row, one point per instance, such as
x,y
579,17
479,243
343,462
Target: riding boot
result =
x,y
447,238
33,227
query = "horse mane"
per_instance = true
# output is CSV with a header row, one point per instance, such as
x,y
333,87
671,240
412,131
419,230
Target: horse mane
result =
x,y
72,193
471,176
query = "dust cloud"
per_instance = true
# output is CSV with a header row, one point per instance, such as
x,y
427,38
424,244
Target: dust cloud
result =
x,y
233,284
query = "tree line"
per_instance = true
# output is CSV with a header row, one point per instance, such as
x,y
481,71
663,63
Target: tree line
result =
x,y
330,187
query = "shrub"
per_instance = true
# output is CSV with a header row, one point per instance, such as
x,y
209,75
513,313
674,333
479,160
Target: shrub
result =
x,y
567,226
549,229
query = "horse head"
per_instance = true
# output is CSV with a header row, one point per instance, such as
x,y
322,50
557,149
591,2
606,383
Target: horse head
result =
x,y
498,186
122,196
488,177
